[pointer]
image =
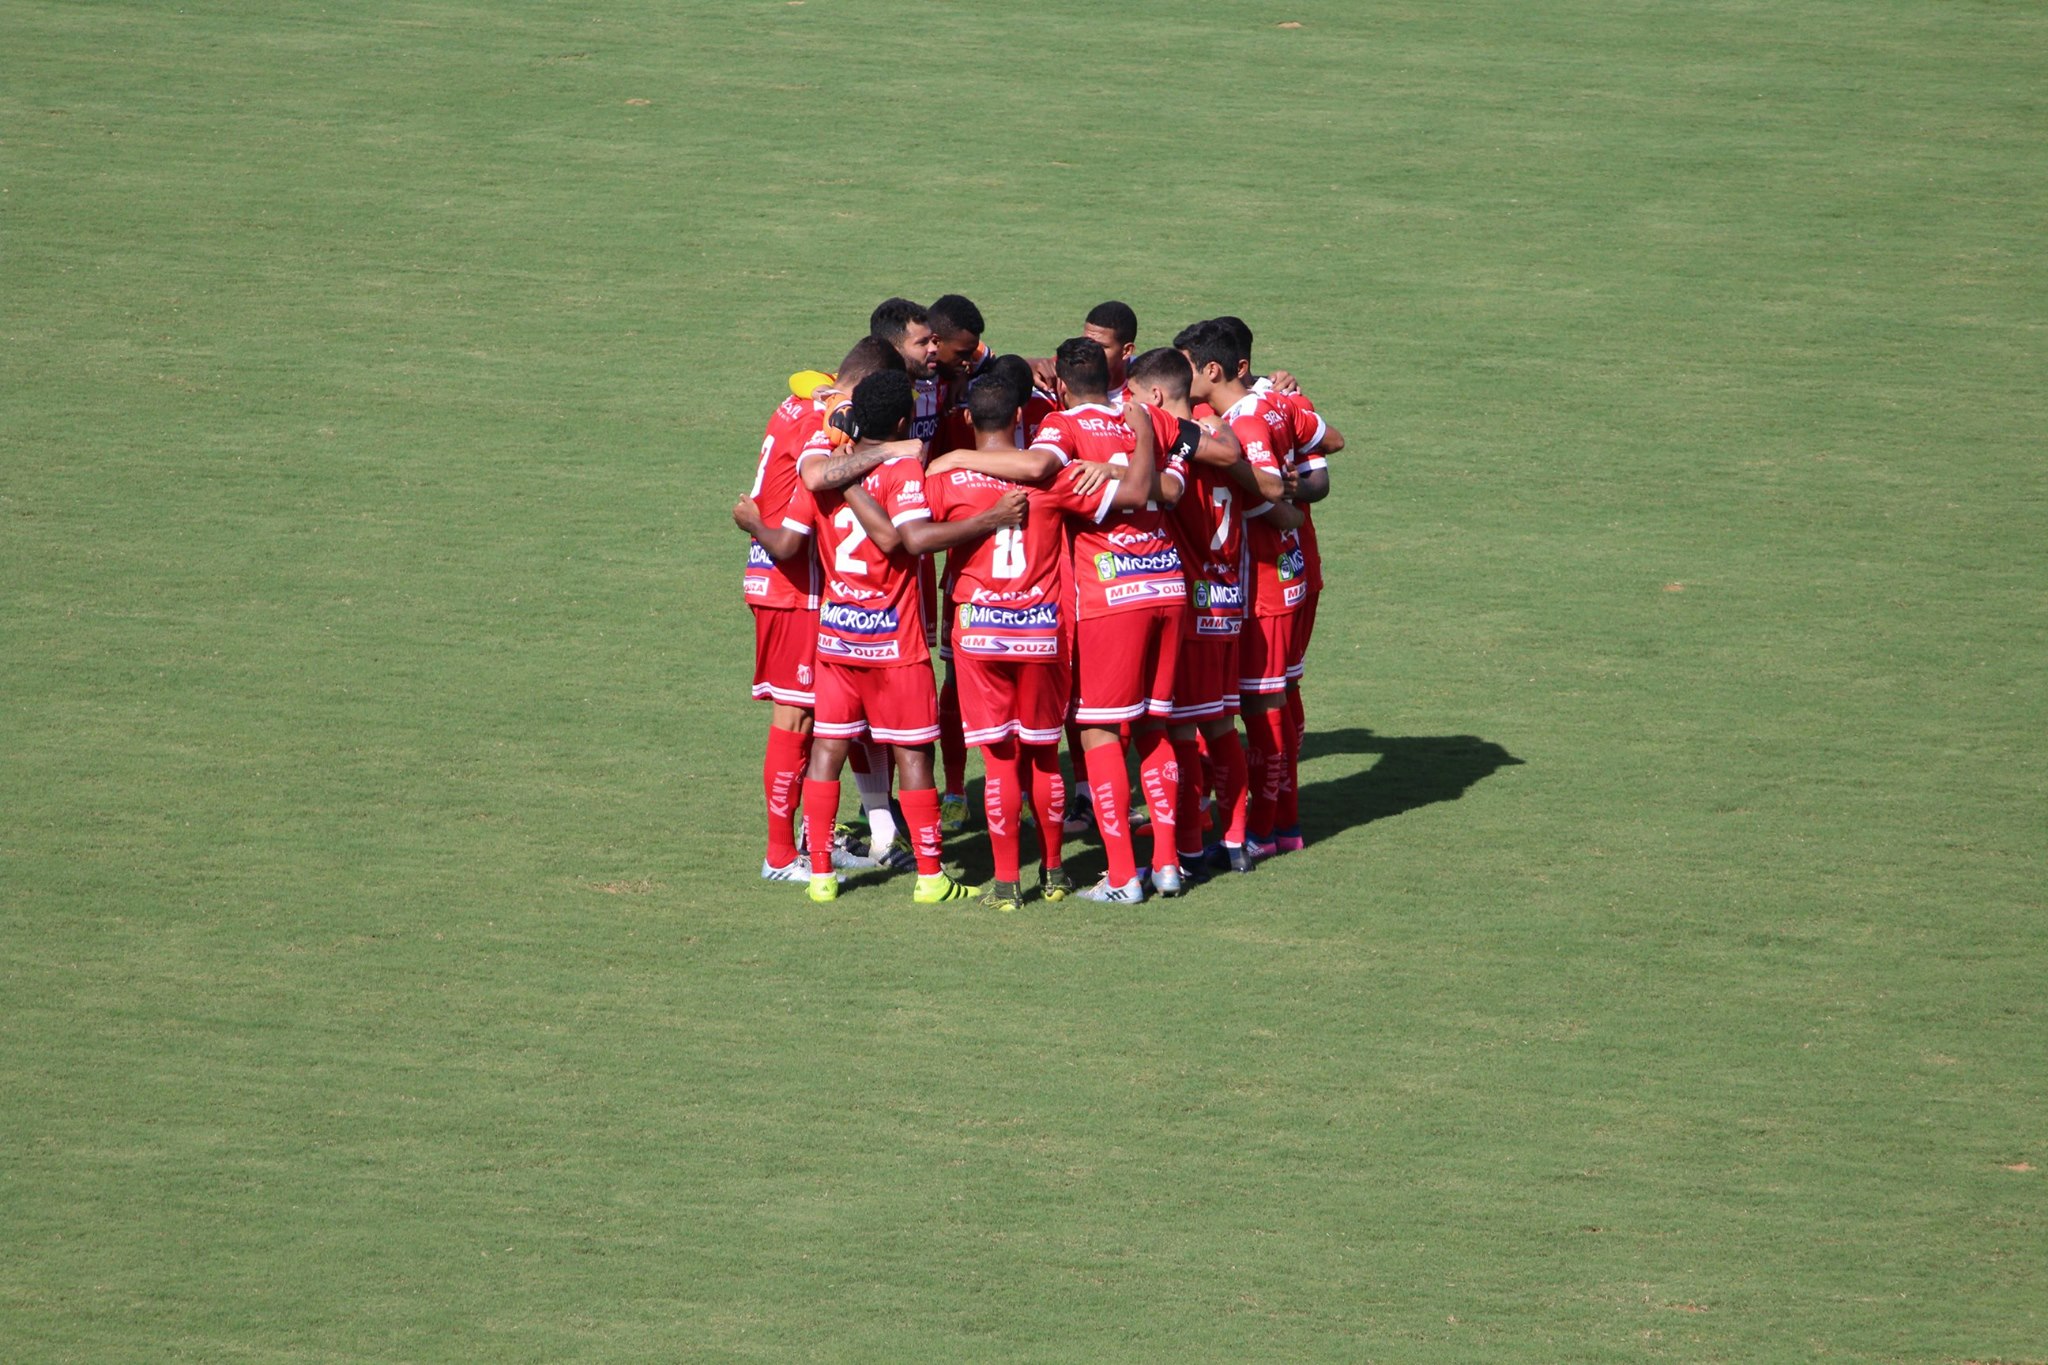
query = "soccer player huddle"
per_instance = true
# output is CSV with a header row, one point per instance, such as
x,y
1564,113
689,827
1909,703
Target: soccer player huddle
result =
x,y
1129,562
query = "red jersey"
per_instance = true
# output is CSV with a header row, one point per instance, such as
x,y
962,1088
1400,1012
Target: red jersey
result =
x,y
869,614
1210,518
1278,580
1010,584
1309,429
793,583
1126,561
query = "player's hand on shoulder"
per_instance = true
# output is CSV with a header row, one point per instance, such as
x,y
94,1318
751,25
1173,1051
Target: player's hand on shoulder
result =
x,y
1009,508
1283,382
1090,476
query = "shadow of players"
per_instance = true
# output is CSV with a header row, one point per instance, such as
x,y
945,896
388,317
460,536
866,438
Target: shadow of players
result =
x,y
1413,770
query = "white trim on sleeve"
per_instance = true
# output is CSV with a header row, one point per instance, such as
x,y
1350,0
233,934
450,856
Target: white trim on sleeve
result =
x,y
1108,496
910,514
802,528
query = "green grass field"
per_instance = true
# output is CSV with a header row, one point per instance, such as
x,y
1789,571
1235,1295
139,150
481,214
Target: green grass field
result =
x,y
383,974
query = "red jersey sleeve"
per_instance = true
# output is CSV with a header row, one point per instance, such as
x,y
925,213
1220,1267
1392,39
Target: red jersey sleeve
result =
x,y
902,492
1258,450
1309,428
800,513
1056,435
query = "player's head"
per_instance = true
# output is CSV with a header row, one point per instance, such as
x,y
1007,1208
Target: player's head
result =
x,y
907,327
1243,334
1211,348
883,405
1115,326
957,325
992,403
1015,371
1083,369
870,355
1161,377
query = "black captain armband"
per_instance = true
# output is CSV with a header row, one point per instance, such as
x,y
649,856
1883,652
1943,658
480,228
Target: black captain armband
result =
x,y
1184,444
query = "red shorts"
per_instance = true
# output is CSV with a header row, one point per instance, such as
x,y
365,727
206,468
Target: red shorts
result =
x,y
1205,678
1263,652
1302,632
1004,697
785,655
1126,666
897,705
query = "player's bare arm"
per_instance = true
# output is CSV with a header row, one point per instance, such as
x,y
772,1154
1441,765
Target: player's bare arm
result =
x,y
1281,516
924,536
1332,442
1018,466
780,542
1219,449
824,472
1140,483
1313,486
1091,475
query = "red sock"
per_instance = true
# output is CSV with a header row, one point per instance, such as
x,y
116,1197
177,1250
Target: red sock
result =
x,y
1266,735
1159,775
782,779
1109,787
821,808
952,744
1004,802
1288,813
1226,753
1187,754
921,812
1048,798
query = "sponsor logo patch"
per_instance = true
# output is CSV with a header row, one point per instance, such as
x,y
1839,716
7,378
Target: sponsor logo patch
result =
x,y
852,620
1110,566
884,651
1146,590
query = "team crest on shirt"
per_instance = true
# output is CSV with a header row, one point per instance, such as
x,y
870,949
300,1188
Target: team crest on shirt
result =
x,y
803,675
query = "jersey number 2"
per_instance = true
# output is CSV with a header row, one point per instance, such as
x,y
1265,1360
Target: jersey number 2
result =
x,y
846,560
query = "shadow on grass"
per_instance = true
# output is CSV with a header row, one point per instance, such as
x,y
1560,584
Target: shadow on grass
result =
x,y
1413,770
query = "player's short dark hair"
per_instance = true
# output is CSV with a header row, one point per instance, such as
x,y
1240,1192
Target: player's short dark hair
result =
x,y
1166,367
1015,371
1187,334
893,317
1239,330
992,403
952,314
1117,318
870,355
1082,365
881,403
1208,343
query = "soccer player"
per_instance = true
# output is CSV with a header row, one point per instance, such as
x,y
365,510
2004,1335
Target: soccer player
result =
x,y
908,327
784,599
1315,440
874,666
1208,513
957,326
1113,326
1009,642
1277,585
1128,593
